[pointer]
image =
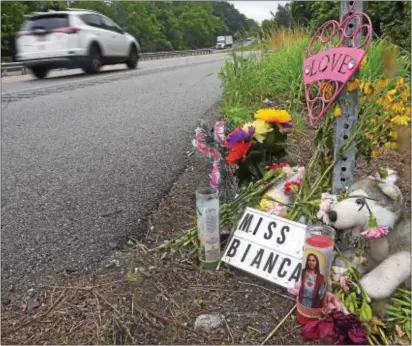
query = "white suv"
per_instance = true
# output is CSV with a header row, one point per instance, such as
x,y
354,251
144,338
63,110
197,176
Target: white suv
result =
x,y
73,39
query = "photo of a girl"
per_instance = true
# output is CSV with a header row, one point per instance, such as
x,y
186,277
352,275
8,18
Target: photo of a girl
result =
x,y
313,284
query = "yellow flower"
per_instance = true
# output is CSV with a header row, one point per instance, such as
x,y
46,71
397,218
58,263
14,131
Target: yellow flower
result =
x,y
392,92
397,107
368,89
338,111
270,198
401,120
400,82
383,83
404,95
393,134
352,85
408,111
369,136
364,62
261,129
271,115
375,152
391,145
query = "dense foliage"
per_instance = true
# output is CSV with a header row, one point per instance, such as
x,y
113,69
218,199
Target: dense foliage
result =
x,y
389,18
158,25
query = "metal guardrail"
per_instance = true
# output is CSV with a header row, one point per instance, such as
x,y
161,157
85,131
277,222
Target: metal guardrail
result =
x,y
19,66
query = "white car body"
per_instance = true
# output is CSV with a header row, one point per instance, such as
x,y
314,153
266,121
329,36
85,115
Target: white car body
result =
x,y
63,39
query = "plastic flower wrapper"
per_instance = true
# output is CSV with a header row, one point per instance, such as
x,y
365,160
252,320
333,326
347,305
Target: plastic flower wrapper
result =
x,y
275,200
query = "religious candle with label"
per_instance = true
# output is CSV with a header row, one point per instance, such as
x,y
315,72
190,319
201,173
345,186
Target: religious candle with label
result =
x,y
207,207
316,266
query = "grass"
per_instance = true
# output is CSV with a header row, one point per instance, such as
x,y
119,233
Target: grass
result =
x,y
250,78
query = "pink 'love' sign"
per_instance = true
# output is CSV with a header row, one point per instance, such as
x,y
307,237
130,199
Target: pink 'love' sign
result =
x,y
328,65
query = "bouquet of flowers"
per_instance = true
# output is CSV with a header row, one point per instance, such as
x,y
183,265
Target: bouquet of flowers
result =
x,y
245,151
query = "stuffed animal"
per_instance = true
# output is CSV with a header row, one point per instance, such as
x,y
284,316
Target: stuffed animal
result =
x,y
373,210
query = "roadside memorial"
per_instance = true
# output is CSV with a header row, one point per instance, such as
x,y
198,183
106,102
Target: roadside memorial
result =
x,y
352,118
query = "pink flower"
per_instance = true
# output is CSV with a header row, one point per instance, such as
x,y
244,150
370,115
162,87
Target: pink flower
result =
x,y
374,231
343,281
332,302
326,203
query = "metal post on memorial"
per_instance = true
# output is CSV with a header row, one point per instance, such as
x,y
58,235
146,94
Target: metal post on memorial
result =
x,y
344,171
332,59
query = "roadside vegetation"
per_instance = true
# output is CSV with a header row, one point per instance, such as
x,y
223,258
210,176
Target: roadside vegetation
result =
x,y
158,25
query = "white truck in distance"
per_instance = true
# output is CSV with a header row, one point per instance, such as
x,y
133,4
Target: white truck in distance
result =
x,y
224,42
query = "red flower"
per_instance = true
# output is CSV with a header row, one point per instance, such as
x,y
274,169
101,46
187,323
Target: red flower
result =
x,y
357,335
336,329
273,167
290,187
238,152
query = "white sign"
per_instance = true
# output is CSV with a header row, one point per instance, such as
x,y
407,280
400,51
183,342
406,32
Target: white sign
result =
x,y
267,246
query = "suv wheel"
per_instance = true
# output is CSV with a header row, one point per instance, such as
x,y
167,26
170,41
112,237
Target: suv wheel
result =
x,y
133,58
40,71
94,61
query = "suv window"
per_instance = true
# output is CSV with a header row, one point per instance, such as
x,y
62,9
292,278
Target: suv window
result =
x,y
92,20
47,22
110,25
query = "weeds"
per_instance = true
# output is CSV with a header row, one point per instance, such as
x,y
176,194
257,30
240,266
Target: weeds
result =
x,y
250,78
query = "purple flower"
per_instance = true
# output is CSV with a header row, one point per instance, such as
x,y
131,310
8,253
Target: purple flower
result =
x,y
287,125
238,135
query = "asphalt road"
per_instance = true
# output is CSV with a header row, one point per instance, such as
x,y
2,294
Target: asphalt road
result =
x,y
83,158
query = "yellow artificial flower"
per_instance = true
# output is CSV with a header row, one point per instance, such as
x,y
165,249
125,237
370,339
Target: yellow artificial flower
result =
x,y
261,129
391,145
271,115
401,120
352,85
338,111
364,62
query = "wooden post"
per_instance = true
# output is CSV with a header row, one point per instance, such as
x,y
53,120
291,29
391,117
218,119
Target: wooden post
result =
x,y
344,171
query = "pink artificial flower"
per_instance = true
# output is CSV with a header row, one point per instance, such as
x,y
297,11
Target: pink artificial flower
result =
x,y
295,290
215,175
374,231
219,132
327,200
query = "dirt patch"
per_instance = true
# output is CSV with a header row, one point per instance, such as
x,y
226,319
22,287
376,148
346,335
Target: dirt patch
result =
x,y
144,297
